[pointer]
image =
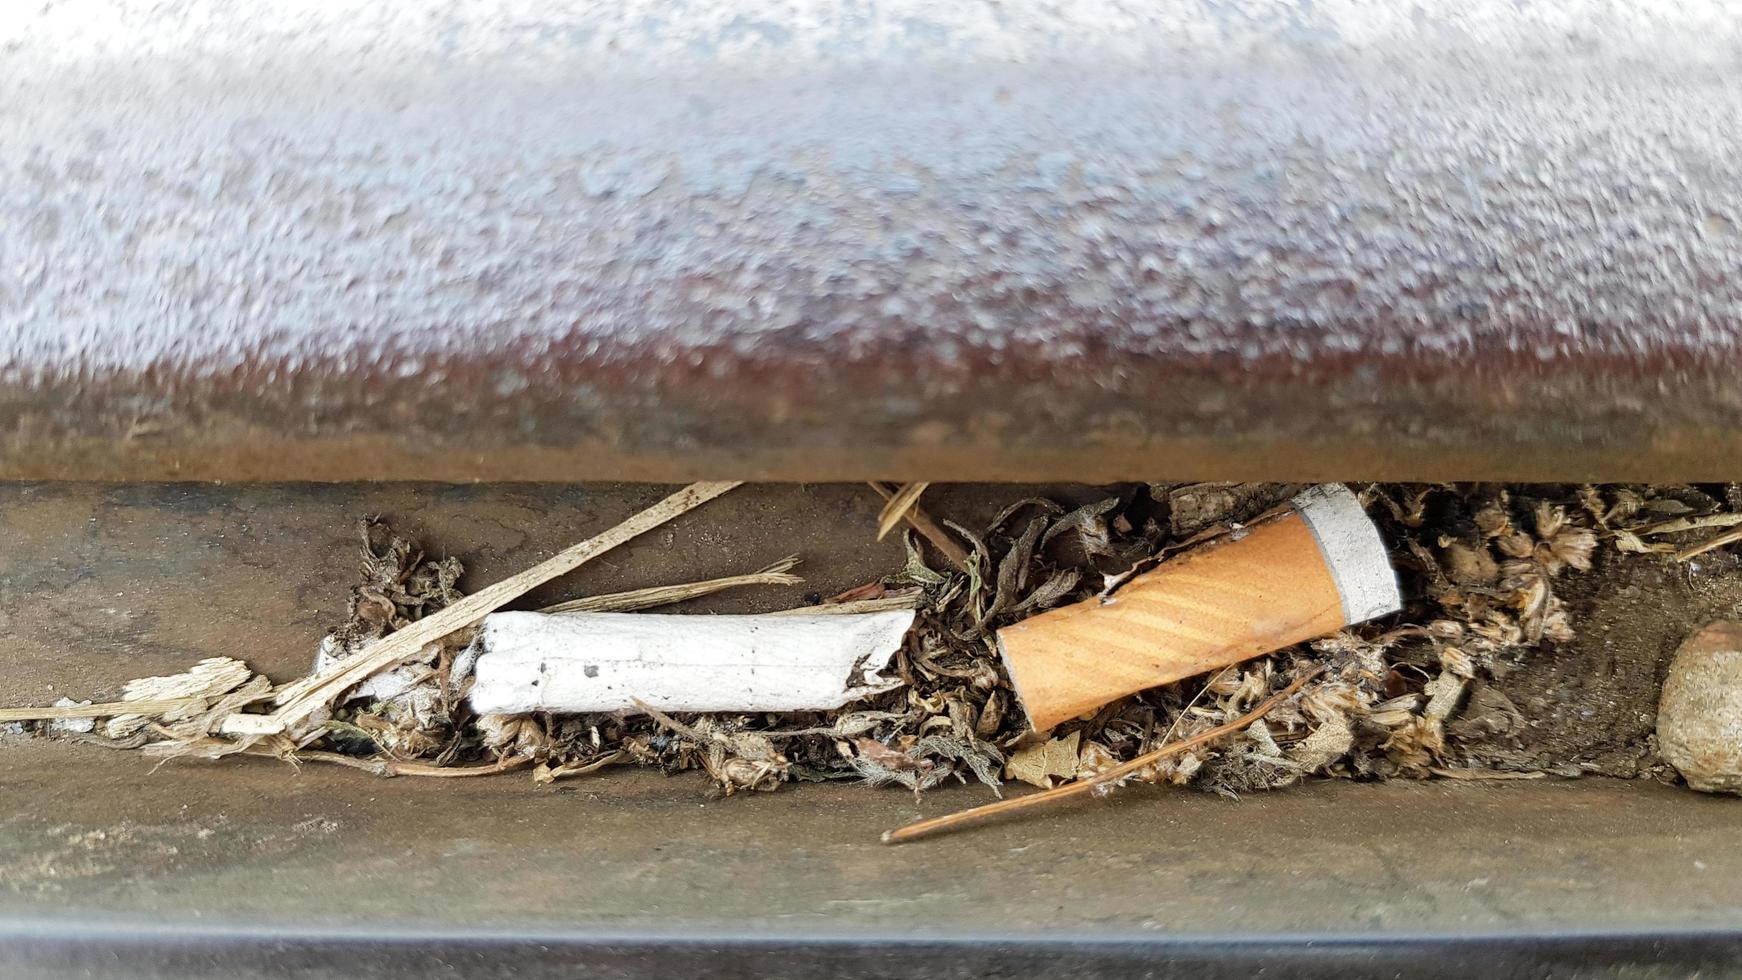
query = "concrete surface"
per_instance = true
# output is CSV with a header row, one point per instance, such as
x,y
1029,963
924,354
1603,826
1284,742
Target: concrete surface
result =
x,y
255,842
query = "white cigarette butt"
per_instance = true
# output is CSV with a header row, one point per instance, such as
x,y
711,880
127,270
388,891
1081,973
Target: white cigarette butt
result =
x,y
609,661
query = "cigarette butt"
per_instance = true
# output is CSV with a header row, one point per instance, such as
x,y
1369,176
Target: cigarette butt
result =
x,y
581,662
1307,572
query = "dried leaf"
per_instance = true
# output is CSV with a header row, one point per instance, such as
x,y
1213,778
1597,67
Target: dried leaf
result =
x,y
916,571
1049,593
1013,569
1048,507
1630,543
991,716
1328,743
1443,694
981,758
885,757
1089,524
1039,764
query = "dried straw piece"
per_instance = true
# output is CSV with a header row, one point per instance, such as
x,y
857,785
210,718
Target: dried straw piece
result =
x,y
1717,541
897,506
388,768
1679,524
923,523
456,772
546,773
953,821
1490,775
302,699
105,710
888,603
664,595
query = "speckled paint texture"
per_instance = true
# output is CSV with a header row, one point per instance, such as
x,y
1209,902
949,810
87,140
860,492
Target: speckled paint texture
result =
x,y
564,240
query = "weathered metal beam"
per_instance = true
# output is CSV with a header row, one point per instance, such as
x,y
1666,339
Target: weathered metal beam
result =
x,y
562,240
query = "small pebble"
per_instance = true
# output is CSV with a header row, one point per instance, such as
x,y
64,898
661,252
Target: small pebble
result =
x,y
1699,719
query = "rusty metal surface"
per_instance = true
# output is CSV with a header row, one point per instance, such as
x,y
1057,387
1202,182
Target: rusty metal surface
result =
x,y
103,583
110,866
230,868
537,240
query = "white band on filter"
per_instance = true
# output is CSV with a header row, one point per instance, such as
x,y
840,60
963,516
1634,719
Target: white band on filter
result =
x,y
1356,556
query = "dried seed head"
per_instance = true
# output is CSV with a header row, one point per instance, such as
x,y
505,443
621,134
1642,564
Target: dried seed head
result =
x,y
511,735
1332,701
1492,521
1468,565
1549,520
1446,630
1572,547
1094,759
1455,661
1556,625
1517,545
1395,712
1416,744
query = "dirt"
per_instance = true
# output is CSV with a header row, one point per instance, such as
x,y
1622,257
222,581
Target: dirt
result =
x,y
115,575
1590,705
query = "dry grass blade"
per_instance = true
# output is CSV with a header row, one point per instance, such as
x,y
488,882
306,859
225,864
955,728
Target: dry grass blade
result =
x,y
923,523
546,774
106,710
664,595
896,507
1487,775
1680,524
388,767
1716,541
886,603
953,821
302,699
457,772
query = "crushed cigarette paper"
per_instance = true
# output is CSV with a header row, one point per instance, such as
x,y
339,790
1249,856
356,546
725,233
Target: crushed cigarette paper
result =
x,y
617,661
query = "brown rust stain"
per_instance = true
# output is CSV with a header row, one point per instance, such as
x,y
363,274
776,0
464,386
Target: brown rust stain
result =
x,y
792,409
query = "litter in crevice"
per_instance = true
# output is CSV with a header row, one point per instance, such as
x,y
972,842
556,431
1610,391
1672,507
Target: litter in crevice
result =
x,y
1459,684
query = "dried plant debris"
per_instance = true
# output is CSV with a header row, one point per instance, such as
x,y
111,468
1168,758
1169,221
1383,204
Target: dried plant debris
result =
x,y
400,586
1490,668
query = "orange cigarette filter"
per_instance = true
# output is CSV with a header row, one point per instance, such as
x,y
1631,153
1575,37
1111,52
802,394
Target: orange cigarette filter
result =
x,y
1305,572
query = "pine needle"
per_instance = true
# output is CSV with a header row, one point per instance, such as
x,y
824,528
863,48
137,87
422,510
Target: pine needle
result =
x,y
664,595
